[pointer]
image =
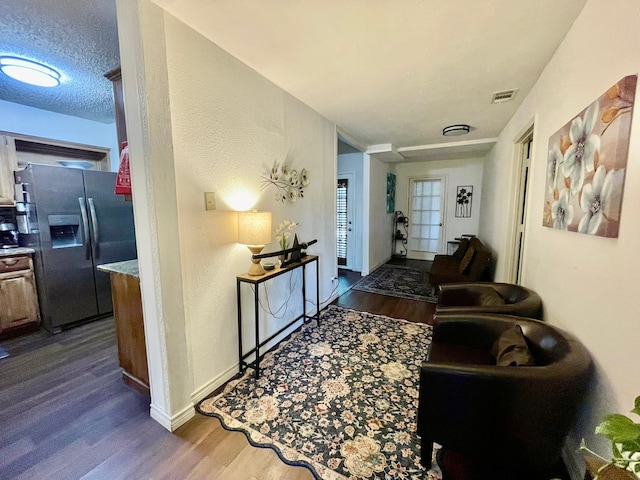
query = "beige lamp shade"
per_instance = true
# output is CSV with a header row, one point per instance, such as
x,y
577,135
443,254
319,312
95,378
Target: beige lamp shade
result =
x,y
254,230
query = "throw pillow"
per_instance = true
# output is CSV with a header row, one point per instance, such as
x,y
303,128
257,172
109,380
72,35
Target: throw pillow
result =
x,y
466,260
463,243
511,349
489,298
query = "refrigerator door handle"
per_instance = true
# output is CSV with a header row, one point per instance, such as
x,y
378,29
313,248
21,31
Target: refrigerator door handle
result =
x,y
94,227
85,227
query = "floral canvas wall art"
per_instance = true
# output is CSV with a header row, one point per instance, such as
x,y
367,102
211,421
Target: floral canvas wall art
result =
x,y
587,162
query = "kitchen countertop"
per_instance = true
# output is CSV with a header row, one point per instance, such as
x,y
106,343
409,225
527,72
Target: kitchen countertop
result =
x,y
128,267
7,252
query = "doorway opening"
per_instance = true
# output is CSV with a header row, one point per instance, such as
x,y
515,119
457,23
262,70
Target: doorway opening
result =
x,y
349,213
524,164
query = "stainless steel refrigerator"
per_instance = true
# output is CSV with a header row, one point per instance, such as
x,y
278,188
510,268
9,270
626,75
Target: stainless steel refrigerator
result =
x,y
75,222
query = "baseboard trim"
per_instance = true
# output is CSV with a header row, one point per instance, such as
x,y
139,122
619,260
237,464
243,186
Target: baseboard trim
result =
x,y
174,422
378,265
211,386
329,301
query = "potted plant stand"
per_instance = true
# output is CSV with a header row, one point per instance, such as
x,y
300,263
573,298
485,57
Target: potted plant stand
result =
x,y
611,472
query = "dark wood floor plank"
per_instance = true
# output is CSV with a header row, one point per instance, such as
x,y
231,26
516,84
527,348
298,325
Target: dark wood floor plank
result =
x,y
412,310
65,413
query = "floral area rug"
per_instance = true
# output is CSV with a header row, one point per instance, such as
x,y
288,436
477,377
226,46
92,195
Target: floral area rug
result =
x,y
340,399
399,281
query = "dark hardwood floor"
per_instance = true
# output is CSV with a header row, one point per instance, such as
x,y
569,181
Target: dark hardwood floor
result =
x,y
65,413
412,310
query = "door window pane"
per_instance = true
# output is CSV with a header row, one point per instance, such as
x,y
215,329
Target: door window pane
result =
x,y
425,216
341,220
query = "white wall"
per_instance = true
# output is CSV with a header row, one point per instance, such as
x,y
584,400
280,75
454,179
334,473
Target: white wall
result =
x,y
589,285
229,125
149,130
456,173
17,118
218,132
380,222
354,163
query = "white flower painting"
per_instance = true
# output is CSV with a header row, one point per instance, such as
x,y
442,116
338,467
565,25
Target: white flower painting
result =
x,y
587,161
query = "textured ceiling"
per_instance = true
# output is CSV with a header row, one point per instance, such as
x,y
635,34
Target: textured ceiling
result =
x,y
79,38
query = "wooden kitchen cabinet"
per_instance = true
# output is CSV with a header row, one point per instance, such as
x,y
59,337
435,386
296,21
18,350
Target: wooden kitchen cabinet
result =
x,y
8,164
18,297
115,76
127,312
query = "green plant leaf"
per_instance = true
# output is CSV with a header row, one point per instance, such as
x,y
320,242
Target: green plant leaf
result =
x,y
632,446
636,408
615,450
619,428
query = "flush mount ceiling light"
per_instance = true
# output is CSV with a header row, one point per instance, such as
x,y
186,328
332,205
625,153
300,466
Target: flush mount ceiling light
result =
x,y
28,71
455,130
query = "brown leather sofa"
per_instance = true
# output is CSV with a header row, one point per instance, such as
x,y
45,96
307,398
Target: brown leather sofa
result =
x,y
488,297
513,418
467,264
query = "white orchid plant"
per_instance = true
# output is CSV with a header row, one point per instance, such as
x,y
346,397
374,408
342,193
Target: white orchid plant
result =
x,y
289,183
283,233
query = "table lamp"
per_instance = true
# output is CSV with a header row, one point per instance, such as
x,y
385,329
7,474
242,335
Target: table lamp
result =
x,y
254,230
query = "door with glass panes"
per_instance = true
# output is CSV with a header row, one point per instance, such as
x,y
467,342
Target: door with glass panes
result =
x,y
344,221
425,217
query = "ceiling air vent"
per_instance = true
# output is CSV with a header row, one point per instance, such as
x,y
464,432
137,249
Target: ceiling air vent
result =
x,y
504,96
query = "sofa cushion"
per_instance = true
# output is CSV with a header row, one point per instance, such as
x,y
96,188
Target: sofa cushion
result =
x,y
511,350
445,269
466,260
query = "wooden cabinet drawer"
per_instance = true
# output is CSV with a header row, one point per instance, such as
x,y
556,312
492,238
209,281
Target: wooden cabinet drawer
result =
x,y
18,300
12,264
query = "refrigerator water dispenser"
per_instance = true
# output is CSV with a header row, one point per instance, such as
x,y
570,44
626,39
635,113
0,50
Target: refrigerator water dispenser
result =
x,y
65,231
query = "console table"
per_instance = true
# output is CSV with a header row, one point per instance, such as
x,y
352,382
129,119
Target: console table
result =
x,y
256,281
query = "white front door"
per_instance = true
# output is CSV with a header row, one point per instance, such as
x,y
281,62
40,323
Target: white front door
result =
x,y
426,200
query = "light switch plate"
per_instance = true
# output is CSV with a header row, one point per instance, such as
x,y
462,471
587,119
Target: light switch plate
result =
x,y
210,200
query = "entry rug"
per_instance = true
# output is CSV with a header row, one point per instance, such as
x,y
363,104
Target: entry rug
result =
x,y
399,281
340,399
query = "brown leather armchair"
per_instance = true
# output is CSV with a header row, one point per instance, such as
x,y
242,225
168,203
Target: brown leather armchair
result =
x,y
512,418
487,297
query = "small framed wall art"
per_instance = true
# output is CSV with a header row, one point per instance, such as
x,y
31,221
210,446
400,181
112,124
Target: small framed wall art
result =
x,y
391,192
464,199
